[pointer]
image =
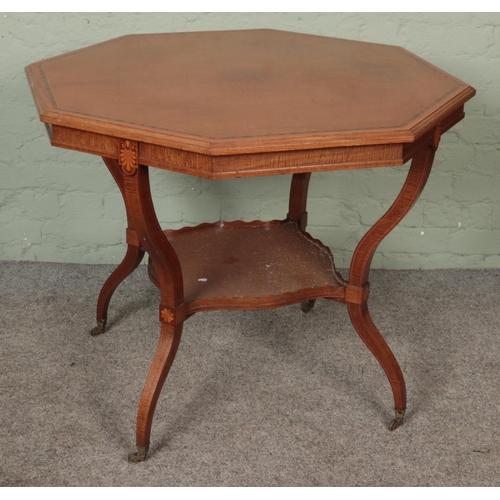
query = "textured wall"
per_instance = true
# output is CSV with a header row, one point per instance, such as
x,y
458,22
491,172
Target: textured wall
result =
x,y
58,205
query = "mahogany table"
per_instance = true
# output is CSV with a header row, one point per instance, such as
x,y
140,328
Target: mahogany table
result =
x,y
239,104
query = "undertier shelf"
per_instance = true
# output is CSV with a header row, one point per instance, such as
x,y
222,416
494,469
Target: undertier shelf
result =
x,y
252,265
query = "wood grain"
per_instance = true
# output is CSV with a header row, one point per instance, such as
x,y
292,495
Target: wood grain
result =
x,y
245,91
413,186
170,337
243,165
250,165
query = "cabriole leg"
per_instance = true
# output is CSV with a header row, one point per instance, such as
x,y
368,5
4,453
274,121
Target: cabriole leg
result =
x,y
364,325
170,337
130,262
358,286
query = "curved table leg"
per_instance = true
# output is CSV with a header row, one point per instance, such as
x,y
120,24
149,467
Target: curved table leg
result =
x,y
298,200
132,259
297,213
358,287
129,264
170,337
144,232
364,325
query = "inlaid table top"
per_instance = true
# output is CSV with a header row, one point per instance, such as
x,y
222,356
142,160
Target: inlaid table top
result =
x,y
232,92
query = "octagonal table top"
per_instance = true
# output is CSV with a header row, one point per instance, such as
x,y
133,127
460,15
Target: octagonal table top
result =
x,y
248,91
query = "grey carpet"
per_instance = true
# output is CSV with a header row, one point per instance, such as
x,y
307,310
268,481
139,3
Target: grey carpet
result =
x,y
265,398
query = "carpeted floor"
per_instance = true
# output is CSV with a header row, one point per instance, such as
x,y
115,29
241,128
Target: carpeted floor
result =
x,y
265,398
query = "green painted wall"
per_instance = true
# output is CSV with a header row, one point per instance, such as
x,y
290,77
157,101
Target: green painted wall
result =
x,y
62,206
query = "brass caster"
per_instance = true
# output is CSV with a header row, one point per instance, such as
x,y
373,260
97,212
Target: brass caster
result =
x,y
397,421
139,455
307,305
100,328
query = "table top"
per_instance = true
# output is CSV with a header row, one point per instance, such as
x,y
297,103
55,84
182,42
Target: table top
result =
x,y
242,92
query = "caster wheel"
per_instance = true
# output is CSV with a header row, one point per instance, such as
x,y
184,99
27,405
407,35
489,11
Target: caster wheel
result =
x,y
307,305
396,422
100,328
139,455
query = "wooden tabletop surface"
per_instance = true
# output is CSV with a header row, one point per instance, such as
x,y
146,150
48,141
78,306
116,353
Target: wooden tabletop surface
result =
x,y
224,92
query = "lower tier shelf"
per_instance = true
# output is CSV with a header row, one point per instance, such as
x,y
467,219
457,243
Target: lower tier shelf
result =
x,y
254,265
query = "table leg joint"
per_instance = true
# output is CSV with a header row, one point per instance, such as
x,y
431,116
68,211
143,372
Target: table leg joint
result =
x,y
300,220
172,315
357,294
132,238
436,138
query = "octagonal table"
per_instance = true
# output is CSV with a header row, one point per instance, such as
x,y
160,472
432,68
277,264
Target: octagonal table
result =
x,y
239,104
